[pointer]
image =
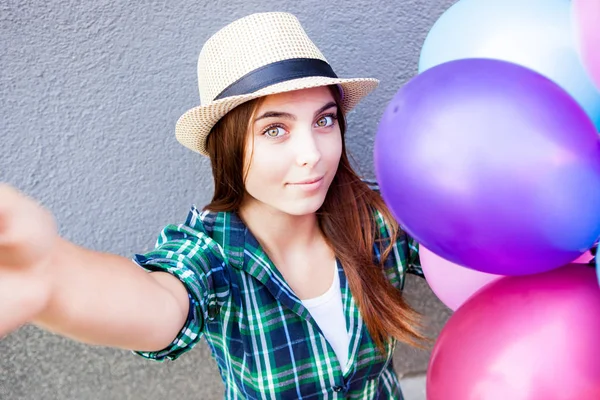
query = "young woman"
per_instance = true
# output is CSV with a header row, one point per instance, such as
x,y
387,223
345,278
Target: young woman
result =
x,y
293,273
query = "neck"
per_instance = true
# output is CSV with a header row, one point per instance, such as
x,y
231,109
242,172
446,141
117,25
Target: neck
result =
x,y
281,235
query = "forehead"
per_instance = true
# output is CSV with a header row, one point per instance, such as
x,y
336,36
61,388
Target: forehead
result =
x,y
309,97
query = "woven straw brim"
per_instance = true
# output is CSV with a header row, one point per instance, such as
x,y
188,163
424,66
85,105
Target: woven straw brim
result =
x,y
193,127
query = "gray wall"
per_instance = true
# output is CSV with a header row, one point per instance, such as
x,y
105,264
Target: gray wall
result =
x,y
90,94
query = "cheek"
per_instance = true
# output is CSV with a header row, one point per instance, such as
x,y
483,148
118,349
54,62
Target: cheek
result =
x,y
265,170
331,149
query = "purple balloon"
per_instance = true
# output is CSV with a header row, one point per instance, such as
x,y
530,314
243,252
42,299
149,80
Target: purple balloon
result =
x,y
534,337
491,166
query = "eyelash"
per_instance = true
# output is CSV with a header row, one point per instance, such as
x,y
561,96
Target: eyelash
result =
x,y
333,116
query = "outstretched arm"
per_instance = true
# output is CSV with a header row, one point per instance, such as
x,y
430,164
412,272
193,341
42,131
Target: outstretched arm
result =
x,y
92,297
105,299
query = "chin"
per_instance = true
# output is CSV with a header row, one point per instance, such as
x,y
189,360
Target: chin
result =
x,y
302,207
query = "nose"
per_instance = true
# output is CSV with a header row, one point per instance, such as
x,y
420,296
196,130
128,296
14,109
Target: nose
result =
x,y
307,149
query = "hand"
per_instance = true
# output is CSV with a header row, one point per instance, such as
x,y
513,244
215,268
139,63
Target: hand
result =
x,y
27,231
27,238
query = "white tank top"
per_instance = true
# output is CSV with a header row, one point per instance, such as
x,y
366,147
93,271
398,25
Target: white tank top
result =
x,y
328,312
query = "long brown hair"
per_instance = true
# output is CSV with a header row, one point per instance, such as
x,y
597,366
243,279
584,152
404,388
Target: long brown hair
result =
x,y
346,219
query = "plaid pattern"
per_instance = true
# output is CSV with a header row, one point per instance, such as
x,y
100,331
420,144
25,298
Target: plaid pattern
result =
x,y
265,342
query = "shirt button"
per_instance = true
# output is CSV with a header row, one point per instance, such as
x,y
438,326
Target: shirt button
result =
x,y
338,388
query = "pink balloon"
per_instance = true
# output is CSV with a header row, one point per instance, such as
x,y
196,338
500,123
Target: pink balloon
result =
x,y
586,16
533,337
584,258
451,283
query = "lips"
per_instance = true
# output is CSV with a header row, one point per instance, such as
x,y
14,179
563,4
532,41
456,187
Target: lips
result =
x,y
308,181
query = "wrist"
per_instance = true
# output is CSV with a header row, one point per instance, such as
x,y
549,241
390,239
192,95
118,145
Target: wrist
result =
x,y
23,296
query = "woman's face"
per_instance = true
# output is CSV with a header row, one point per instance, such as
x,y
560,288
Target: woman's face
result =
x,y
293,149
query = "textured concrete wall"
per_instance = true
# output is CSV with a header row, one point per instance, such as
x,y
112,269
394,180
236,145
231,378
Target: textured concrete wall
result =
x,y
90,92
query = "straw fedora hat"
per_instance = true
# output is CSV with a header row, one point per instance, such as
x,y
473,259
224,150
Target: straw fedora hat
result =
x,y
255,56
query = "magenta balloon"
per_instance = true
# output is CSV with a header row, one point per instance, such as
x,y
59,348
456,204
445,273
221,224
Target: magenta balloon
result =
x,y
491,166
451,283
533,337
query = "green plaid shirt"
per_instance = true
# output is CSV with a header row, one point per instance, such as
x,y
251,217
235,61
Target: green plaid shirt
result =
x,y
265,342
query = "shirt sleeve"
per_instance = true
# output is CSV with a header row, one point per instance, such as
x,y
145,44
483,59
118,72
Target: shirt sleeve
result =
x,y
414,262
186,254
405,244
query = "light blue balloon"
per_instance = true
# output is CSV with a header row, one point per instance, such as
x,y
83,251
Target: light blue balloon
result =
x,y
598,263
537,34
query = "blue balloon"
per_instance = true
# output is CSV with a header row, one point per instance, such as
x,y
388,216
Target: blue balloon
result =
x,y
537,34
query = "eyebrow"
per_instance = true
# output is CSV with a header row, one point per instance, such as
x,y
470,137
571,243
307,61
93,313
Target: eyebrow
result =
x,y
281,114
